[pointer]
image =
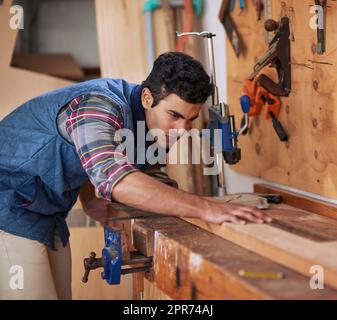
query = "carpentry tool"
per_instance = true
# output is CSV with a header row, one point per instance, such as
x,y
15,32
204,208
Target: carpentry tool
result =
x,y
259,7
231,30
258,97
277,56
263,91
220,120
149,7
113,260
321,20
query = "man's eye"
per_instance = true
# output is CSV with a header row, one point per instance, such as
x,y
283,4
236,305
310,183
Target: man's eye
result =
x,y
174,115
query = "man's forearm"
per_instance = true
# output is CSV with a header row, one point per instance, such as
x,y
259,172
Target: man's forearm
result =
x,y
144,192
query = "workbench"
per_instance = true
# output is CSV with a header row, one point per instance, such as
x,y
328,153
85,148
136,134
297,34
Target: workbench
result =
x,y
196,260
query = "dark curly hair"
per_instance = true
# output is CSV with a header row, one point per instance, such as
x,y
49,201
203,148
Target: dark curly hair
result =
x,y
179,73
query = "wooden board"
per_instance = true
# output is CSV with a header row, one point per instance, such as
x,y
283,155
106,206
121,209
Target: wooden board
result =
x,y
309,115
190,263
296,238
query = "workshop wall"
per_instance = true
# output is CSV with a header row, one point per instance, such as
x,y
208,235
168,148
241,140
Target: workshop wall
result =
x,y
71,19
17,85
307,160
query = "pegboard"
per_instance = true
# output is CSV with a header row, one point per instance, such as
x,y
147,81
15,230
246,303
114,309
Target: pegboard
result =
x,y
308,160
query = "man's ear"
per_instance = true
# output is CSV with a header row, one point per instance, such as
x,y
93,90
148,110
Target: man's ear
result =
x,y
147,98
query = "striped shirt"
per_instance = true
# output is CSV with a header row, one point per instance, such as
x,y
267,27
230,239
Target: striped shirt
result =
x,y
90,123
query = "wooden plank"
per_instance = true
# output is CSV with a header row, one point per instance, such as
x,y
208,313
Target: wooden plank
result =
x,y
116,21
288,241
309,115
190,263
300,201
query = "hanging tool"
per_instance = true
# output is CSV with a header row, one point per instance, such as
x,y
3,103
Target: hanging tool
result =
x,y
221,120
277,56
259,7
241,3
321,21
263,91
259,97
150,6
233,35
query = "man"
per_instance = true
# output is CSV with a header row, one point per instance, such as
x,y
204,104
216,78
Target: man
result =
x,y
53,144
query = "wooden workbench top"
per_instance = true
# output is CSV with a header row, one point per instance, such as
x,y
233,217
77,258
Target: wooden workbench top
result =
x,y
191,263
198,260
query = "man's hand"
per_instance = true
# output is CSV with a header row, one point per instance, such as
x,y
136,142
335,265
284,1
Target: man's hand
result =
x,y
143,192
219,212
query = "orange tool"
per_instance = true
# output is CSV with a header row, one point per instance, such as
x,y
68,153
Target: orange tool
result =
x,y
259,97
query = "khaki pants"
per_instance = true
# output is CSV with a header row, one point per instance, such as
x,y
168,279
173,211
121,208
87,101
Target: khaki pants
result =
x,y
30,270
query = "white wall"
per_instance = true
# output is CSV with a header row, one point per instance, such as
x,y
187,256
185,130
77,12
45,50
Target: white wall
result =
x,y
235,182
69,26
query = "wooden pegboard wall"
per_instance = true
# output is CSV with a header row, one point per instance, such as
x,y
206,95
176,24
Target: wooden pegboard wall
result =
x,y
308,161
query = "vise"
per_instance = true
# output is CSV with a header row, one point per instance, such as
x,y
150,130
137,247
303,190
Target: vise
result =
x,y
112,259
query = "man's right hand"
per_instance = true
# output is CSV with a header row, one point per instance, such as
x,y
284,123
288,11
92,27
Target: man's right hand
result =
x,y
220,212
143,192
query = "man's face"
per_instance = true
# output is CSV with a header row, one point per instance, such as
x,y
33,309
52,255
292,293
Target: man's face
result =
x,y
172,115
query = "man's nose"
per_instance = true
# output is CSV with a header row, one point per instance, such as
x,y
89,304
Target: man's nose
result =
x,y
183,126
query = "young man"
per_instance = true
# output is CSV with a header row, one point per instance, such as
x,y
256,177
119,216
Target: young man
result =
x,y
53,144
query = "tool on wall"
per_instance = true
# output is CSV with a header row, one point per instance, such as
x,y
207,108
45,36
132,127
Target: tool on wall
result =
x,y
231,30
220,119
192,6
258,7
260,97
263,91
241,4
